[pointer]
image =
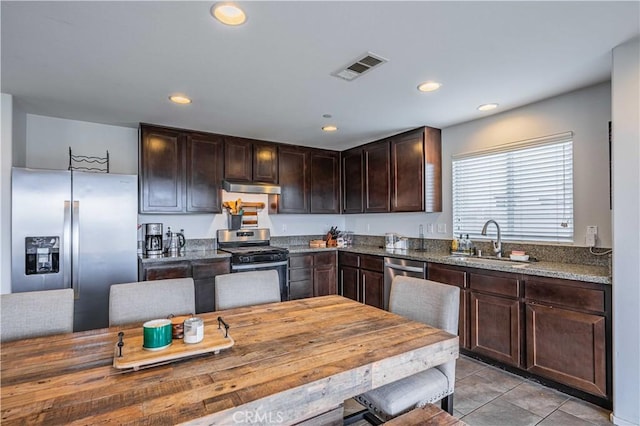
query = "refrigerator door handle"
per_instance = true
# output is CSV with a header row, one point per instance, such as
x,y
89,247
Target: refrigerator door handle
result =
x,y
75,248
66,245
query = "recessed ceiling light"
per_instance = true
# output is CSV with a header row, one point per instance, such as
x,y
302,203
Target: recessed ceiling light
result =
x,y
326,115
429,86
180,99
329,128
228,13
487,107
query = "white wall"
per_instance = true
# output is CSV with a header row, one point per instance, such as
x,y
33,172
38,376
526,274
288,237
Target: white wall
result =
x,y
586,112
6,124
626,233
49,139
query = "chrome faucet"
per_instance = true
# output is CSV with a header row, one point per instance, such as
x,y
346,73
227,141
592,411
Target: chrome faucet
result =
x,y
497,246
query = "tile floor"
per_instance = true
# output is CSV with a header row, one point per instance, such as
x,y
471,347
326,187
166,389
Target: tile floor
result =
x,y
488,396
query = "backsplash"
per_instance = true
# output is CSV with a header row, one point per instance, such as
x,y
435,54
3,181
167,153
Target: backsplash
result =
x,y
548,253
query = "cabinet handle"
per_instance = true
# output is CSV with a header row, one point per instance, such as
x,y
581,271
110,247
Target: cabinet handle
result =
x,y
364,289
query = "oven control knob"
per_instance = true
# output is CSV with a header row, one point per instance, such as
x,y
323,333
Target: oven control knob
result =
x,y
245,259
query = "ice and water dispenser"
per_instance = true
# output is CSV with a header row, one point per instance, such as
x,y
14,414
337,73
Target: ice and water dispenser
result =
x,y
42,255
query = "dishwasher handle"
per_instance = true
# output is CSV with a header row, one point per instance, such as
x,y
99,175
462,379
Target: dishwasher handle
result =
x,y
404,268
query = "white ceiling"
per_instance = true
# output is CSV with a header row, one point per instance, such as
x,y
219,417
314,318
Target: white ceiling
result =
x,y
117,62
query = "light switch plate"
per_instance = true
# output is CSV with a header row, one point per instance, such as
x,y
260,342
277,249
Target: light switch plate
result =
x,y
442,228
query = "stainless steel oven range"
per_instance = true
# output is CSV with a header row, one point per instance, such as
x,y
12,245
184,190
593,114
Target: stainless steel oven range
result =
x,y
251,250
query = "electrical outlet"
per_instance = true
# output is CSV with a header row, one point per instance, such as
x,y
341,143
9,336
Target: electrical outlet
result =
x,y
442,228
368,227
592,234
430,228
284,227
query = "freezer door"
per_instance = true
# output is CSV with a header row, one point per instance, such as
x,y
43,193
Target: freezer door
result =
x,y
105,219
40,214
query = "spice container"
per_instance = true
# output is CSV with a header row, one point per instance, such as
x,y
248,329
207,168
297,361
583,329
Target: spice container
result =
x,y
193,330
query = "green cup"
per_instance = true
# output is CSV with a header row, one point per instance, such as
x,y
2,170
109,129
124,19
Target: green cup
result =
x,y
156,334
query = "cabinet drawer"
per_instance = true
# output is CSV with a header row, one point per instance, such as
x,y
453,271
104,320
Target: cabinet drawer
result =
x,y
300,274
328,258
301,261
349,259
204,270
167,271
501,284
447,275
571,294
372,263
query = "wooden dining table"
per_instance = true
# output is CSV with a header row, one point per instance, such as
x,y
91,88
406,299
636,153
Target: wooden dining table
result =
x,y
291,362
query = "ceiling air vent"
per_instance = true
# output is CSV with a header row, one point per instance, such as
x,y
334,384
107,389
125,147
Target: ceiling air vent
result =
x,y
359,67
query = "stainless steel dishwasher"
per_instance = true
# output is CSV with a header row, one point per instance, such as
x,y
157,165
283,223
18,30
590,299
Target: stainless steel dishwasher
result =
x,y
394,267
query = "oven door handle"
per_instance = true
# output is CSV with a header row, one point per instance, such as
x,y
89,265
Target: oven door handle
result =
x,y
244,266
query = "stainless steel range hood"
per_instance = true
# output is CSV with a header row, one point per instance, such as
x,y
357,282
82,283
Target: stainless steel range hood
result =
x,y
250,187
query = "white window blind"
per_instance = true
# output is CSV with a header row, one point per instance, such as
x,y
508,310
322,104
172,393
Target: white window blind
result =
x,y
527,187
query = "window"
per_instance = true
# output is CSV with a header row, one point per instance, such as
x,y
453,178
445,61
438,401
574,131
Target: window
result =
x,y
527,187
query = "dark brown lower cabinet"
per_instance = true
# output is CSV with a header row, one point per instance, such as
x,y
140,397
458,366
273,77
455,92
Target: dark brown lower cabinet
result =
x,y
567,330
361,278
453,275
312,275
203,273
495,327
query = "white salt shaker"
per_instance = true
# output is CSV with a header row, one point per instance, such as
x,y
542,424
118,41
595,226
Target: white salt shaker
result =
x,y
193,330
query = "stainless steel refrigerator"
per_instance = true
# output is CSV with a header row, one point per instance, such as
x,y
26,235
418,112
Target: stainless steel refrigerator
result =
x,y
74,230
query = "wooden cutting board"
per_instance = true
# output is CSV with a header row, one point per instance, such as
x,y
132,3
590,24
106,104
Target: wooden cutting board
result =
x,y
134,357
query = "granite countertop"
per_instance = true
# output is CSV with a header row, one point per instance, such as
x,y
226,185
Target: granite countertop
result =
x,y
188,255
570,271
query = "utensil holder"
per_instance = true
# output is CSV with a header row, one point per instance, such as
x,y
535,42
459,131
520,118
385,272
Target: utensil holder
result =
x,y
235,221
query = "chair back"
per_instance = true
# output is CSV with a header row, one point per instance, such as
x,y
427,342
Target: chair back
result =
x,y
147,300
36,313
246,288
426,301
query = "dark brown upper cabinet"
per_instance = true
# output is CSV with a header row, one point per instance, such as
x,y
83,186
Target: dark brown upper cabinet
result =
x,y
377,174
352,178
247,160
324,181
398,174
180,171
416,171
309,181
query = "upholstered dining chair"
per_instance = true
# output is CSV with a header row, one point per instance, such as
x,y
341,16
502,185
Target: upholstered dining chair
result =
x,y
36,313
434,304
147,300
246,288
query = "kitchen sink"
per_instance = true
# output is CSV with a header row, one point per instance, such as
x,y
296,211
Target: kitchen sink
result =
x,y
489,260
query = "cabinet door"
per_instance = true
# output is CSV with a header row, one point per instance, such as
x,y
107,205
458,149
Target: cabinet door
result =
x,y
294,184
433,170
204,173
407,172
238,155
324,186
458,277
350,282
495,327
204,274
377,177
265,162
324,274
568,347
300,276
162,170
352,181
166,271
372,288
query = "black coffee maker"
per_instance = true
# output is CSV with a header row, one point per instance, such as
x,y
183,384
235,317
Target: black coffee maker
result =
x,y
152,239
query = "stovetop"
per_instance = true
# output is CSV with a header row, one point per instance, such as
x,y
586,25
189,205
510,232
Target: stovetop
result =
x,y
250,246
254,250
